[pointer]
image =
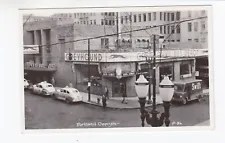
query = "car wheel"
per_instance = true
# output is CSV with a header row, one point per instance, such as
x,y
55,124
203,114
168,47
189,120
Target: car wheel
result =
x,y
184,101
68,101
53,96
199,98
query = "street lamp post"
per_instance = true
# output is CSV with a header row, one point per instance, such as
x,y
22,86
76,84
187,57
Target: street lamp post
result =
x,y
166,89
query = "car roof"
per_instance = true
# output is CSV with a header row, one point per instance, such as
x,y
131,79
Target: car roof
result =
x,y
186,81
44,83
69,89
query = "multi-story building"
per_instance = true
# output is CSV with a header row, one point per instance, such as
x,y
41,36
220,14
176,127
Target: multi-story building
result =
x,y
103,18
116,67
32,18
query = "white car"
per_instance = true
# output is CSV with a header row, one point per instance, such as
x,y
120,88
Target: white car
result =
x,y
43,88
26,84
68,94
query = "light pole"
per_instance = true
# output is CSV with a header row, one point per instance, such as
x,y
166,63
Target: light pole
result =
x,y
166,89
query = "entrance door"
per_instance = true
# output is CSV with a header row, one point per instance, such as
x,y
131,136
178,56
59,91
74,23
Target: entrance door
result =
x,y
118,88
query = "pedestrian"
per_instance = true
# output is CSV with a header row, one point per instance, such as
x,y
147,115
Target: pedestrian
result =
x,y
70,85
104,101
106,92
124,98
53,81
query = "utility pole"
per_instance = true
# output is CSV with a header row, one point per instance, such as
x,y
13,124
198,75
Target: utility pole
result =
x,y
150,73
117,28
154,79
130,17
89,81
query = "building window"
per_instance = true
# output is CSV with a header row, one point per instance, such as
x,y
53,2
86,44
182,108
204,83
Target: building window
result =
x,y
189,27
121,19
196,26
106,22
105,13
160,15
160,29
112,13
178,15
189,14
164,16
178,28
102,22
135,18
113,22
172,16
94,21
168,29
172,40
109,13
110,23
172,29
203,12
105,42
144,17
130,18
189,40
178,40
139,17
203,25
84,22
91,22
196,40
164,29
184,69
154,15
168,16
149,16
166,70
126,19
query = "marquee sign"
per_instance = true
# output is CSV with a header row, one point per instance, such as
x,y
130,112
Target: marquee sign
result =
x,y
30,49
134,56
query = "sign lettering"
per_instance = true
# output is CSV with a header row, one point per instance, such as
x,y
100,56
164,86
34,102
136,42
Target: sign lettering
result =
x,y
35,65
196,86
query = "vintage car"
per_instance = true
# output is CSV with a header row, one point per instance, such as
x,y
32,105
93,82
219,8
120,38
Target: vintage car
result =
x,y
68,94
43,88
185,91
26,84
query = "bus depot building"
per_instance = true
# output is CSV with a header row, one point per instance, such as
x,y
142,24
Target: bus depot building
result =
x,y
116,68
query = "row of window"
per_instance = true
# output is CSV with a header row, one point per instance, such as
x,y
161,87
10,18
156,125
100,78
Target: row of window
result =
x,y
107,22
203,27
169,29
108,13
86,22
170,16
83,14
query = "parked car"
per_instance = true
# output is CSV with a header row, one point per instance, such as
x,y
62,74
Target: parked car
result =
x,y
43,88
68,94
185,91
26,84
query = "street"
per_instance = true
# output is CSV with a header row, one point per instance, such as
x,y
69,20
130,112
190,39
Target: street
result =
x,y
46,113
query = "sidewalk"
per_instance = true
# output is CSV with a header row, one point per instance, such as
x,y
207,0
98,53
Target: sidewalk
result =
x,y
115,102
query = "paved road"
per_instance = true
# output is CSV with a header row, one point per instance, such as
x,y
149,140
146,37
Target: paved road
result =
x,y
46,113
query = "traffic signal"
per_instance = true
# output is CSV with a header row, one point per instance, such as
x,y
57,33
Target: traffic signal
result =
x,y
70,56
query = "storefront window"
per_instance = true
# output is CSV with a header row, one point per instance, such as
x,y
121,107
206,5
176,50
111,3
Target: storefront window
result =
x,y
166,71
184,69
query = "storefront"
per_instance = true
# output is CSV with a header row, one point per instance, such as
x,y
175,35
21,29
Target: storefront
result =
x,y
119,71
36,73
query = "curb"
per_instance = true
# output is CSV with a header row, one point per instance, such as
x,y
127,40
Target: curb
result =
x,y
118,108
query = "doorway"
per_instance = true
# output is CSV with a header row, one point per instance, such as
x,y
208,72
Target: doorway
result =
x,y
118,87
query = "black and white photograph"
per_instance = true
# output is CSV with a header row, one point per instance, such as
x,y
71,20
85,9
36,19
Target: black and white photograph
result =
x,y
124,67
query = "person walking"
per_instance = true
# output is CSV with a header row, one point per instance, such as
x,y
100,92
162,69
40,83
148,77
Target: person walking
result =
x,y
124,95
104,101
53,81
106,92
